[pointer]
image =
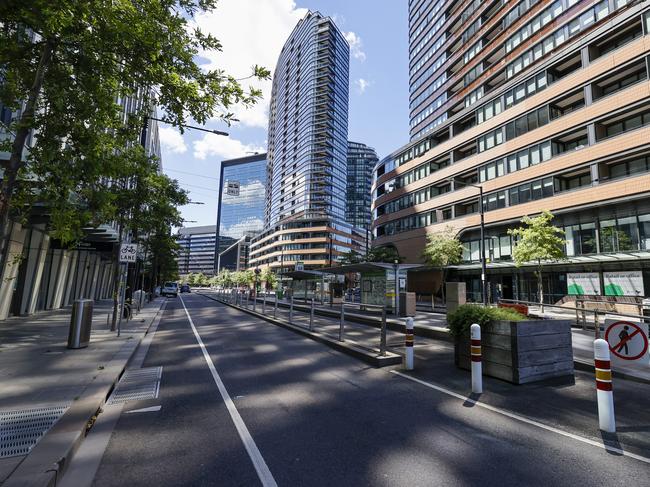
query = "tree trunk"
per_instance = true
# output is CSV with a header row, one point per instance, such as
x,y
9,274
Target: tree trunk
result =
x,y
540,286
117,277
15,162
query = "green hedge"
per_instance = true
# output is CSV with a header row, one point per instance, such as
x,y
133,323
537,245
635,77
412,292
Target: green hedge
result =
x,y
460,320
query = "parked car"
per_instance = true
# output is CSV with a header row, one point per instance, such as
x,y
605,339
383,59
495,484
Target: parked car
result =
x,y
170,289
185,288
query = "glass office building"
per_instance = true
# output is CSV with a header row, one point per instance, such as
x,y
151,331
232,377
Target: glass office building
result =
x,y
544,105
240,210
196,249
361,162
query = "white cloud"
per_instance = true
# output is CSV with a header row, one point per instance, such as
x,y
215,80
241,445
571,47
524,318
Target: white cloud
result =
x,y
223,147
251,32
236,230
172,140
362,84
356,45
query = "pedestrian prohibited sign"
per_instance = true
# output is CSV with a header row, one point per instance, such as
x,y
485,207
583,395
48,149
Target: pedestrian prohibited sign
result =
x,y
627,340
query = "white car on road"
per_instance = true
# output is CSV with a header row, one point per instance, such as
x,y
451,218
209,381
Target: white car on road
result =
x,y
170,289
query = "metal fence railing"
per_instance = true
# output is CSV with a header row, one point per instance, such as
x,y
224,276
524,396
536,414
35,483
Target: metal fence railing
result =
x,y
581,313
267,305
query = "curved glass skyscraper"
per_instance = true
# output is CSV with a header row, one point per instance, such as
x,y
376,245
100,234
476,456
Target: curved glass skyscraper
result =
x,y
308,123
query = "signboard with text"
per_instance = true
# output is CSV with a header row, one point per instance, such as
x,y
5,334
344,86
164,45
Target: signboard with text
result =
x,y
232,188
128,252
583,283
624,283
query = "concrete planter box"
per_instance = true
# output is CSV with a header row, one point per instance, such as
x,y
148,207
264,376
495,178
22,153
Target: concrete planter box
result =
x,y
522,351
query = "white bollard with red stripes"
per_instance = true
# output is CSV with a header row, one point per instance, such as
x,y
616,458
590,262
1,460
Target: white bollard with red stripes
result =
x,y
477,359
408,344
603,365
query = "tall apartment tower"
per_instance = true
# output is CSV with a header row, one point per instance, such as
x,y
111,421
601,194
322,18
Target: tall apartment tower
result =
x,y
308,123
361,162
544,105
307,153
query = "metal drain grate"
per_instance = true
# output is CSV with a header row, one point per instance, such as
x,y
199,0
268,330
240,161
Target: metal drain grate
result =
x,y
21,430
137,385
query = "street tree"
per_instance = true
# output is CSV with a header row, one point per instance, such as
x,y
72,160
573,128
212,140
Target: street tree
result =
x,y
351,257
65,65
225,278
386,253
537,241
443,249
269,278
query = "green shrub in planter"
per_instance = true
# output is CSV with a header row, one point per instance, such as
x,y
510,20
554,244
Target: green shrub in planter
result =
x,y
462,318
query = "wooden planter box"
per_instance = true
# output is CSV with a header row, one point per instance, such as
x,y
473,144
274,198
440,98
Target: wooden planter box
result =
x,y
522,351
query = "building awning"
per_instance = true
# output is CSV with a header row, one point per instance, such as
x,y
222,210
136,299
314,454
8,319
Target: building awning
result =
x,y
368,267
304,275
619,257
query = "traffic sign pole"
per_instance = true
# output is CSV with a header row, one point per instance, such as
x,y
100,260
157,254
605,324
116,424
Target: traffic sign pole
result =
x,y
605,396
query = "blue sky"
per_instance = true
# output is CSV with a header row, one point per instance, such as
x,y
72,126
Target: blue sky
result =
x,y
253,32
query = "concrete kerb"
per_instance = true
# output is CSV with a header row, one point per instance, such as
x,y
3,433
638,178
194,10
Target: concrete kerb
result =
x,y
360,353
47,461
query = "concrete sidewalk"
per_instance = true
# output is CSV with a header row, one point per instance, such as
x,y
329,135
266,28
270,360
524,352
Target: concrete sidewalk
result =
x,y
37,370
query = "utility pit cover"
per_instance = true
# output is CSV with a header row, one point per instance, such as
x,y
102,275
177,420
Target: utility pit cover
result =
x,y
137,385
21,430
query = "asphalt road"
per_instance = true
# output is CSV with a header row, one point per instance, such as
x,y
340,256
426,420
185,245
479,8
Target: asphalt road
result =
x,y
318,417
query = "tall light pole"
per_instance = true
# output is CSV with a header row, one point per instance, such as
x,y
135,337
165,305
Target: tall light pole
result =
x,y
482,243
396,268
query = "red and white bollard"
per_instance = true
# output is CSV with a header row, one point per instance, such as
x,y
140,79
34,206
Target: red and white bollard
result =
x,y
477,359
603,365
408,344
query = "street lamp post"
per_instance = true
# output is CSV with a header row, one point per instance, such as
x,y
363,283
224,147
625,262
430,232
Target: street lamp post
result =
x,y
482,242
396,268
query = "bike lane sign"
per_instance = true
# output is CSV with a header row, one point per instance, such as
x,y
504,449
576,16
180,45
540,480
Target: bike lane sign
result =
x,y
627,340
128,252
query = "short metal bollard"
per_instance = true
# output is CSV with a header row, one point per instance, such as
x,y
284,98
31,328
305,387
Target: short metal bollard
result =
x,y
254,302
382,338
311,316
80,323
408,344
605,396
263,303
342,323
291,309
275,305
477,359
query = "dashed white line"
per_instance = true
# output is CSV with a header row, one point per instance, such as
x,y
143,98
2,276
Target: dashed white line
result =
x,y
523,419
260,465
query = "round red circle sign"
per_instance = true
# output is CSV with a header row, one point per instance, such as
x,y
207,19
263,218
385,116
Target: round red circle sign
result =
x,y
630,343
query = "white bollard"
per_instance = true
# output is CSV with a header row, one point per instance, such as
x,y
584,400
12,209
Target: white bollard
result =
x,y
603,365
408,344
477,359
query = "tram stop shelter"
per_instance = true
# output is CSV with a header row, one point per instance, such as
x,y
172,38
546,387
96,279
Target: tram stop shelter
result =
x,y
378,281
310,284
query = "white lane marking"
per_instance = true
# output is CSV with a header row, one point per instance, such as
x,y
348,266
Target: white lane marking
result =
x,y
151,409
262,469
523,419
